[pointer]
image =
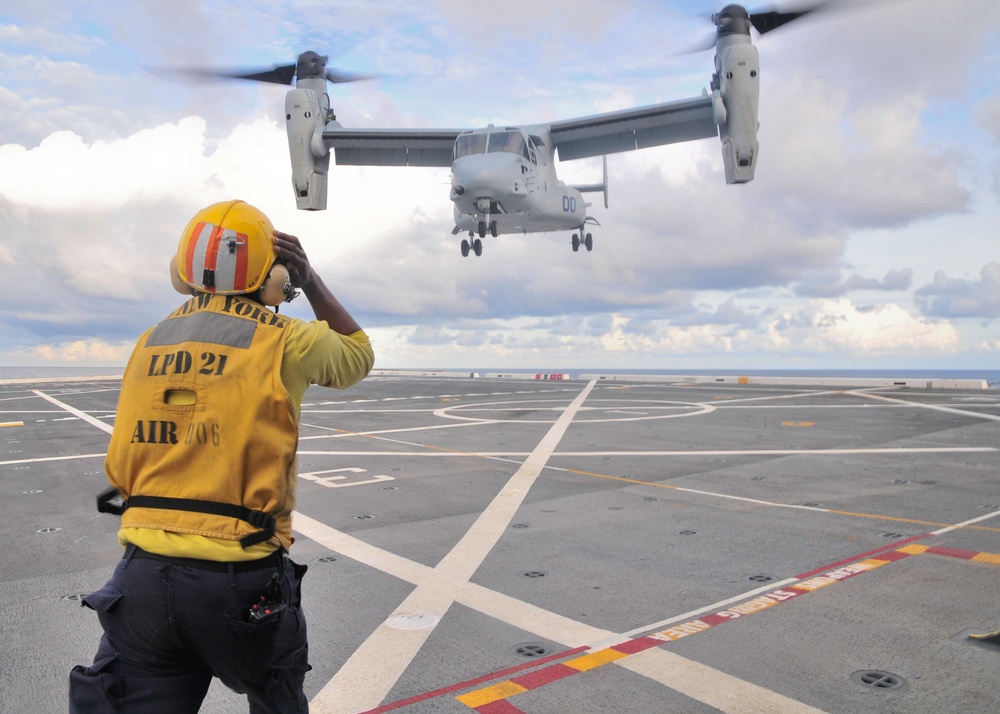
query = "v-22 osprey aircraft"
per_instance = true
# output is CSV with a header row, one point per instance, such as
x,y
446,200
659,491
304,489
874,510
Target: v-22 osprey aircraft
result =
x,y
503,179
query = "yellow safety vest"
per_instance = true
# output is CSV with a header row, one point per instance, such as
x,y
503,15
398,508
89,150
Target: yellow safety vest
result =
x,y
205,433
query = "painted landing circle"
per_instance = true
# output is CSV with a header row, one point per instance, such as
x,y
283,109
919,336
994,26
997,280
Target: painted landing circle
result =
x,y
547,411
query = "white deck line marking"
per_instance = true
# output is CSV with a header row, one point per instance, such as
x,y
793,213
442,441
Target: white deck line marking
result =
x,y
969,522
40,459
625,636
692,679
388,431
710,686
793,395
372,670
933,407
76,412
818,407
892,451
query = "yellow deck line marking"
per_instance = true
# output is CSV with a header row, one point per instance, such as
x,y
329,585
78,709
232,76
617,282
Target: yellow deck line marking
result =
x,y
595,659
897,519
12,423
490,694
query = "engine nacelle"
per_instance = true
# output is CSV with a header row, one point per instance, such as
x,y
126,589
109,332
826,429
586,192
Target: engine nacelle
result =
x,y
737,67
306,111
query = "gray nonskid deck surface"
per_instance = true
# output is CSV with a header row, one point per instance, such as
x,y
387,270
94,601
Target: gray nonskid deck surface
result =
x,y
511,545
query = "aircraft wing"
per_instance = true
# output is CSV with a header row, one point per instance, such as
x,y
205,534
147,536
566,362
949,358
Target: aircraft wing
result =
x,y
631,129
392,147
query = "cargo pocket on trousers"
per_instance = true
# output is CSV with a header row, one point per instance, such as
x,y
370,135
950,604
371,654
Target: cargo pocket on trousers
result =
x,y
95,688
104,601
286,677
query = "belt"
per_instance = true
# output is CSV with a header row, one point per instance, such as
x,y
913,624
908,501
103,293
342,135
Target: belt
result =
x,y
273,560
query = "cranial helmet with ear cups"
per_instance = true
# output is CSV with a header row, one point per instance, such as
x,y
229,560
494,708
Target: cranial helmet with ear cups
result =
x,y
226,249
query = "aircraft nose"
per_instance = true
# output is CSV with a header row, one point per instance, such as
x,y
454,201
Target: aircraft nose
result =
x,y
484,176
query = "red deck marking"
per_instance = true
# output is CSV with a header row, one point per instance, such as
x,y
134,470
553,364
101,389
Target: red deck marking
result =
x,y
893,556
500,706
473,682
715,619
952,552
861,556
637,645
544,676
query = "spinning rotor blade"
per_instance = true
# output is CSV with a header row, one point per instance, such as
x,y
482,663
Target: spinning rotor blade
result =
x,y
310,65
283,74
735,19
705,43
764,22
341,77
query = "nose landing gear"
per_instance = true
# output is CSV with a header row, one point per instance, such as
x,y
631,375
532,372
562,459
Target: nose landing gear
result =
x,y
474,244
483,227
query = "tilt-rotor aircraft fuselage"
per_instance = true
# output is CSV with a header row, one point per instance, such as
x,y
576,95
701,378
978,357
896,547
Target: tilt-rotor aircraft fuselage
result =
x,y
503,179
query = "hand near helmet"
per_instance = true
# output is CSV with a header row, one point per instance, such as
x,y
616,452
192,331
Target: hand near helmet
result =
x,y
293,255
324,304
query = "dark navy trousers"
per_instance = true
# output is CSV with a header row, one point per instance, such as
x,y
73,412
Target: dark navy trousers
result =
x,y
170,626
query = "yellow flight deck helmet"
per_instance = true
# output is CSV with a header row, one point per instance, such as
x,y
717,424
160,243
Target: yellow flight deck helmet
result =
x,y
226,249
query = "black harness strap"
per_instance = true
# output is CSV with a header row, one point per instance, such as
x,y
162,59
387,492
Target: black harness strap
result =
x,y
258,519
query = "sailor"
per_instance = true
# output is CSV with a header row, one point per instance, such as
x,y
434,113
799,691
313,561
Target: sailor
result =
x,y
203,457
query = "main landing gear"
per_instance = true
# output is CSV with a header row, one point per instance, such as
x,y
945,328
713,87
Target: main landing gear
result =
x,y
475,245
587,241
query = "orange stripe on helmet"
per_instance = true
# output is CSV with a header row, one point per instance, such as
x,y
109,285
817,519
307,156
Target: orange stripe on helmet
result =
x,y
242,257
192,246
212,253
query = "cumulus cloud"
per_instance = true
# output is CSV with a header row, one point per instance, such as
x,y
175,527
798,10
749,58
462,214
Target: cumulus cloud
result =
x,y
43,40
627,340
832,326
103,175
829,284
85,351
102,164
957,297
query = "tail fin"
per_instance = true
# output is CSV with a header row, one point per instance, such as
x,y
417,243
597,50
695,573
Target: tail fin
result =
x,y
596,187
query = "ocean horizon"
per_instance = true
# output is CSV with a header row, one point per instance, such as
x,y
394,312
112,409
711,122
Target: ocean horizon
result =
x,y
991,376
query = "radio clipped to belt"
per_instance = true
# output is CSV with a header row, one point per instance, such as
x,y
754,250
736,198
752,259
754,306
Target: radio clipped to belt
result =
x,y
270,606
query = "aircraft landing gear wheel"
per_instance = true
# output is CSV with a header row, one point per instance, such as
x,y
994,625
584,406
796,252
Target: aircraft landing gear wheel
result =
x,y
589,241
465,248
482,229
576,242
477,246
493,229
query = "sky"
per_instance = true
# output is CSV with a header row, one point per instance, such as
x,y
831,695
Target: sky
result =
x,y
868,239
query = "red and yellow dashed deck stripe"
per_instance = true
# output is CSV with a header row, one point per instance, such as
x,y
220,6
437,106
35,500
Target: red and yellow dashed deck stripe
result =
x,y
493,699
978,556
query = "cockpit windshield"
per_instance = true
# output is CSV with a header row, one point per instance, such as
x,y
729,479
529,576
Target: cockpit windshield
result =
x,y
470,144
510,142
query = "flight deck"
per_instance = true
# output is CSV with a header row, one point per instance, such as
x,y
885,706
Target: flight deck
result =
x,y
503,544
